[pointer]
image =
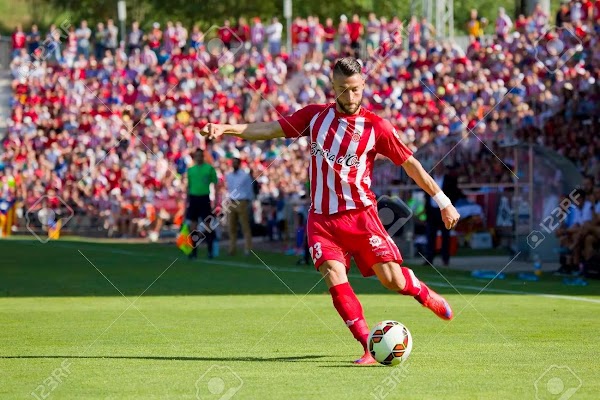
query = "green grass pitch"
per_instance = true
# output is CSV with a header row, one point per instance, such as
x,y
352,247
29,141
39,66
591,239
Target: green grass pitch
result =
x,y
234,329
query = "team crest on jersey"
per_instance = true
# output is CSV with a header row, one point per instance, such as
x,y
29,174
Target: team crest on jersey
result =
x,y
375,241
347,160
355,137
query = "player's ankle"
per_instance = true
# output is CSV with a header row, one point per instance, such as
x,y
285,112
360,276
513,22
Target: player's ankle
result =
x,y
423,294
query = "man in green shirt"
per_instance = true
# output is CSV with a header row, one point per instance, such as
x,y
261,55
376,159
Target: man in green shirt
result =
x,y
201,178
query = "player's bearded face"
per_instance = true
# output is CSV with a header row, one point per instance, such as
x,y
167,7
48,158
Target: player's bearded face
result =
x,y
349,92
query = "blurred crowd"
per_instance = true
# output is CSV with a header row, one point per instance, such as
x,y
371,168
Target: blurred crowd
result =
x,y
109,124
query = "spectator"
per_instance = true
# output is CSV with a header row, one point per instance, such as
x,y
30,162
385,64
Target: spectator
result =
x,y
344,34
19,40
111,37
503,25
475,25
355,32
414,33
99,40
34,39
540,18
328,36
155,38
373,32
135,37
257,34
83,34
226,34
274,32
240,194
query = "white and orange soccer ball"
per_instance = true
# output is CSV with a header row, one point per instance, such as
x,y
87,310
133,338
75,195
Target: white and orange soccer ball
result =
x,y
390,342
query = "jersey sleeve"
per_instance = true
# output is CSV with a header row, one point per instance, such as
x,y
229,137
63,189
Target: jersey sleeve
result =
x,y
389,144
298,124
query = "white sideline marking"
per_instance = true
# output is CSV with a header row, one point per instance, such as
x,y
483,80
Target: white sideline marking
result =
x,y
313,272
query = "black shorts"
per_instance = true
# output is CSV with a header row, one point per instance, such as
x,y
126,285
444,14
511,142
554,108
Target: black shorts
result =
x,y
198,208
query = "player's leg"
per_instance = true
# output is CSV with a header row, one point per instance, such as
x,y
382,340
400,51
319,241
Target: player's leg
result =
x,y
232,222
333,262
192,215
403,280
244,208
376,253
347,304
207,224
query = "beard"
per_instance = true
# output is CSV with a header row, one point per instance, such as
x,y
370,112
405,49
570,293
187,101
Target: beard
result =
x,y
350,108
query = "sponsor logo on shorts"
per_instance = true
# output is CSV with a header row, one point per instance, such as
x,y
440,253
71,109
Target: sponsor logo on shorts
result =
x,y
375,241
383,253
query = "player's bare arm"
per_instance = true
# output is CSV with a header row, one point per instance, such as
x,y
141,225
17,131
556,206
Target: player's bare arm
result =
x,y
415,170
255,131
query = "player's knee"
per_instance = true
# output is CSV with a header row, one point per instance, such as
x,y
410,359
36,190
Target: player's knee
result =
x,y
334,273
391,280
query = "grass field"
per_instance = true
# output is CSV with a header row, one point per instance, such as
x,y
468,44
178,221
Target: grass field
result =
x,y
233,328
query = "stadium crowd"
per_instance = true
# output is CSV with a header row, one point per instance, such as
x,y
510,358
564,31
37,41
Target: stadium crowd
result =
x,y
109,125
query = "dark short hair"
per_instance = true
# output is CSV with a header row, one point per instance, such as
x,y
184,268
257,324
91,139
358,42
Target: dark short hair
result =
x,y
347,66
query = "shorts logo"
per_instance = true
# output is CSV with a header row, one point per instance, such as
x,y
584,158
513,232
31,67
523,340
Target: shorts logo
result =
x,y
375,241
383,253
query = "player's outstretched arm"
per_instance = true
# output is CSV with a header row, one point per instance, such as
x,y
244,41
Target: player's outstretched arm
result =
x,y
415,170
255,131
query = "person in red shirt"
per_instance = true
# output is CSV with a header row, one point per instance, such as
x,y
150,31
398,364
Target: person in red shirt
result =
x,y
596,13
355,30
329,36
225,34
587,10
243,33
343,221
19,40
303,39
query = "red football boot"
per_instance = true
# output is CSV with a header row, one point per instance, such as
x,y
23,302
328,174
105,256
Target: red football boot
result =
x,y
366,359
437,304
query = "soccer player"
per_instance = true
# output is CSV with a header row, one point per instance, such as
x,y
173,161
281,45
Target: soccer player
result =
x,y
343,220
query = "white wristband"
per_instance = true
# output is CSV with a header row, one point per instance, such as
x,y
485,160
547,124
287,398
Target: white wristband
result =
x,y
442,200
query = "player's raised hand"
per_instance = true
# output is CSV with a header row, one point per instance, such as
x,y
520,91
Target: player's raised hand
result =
x,y
450,216
213,131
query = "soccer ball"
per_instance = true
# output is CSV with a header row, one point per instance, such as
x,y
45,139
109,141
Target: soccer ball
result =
x,y
390,342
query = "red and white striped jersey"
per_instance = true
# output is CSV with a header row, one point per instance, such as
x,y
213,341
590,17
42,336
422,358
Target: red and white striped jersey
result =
x,y
342,151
